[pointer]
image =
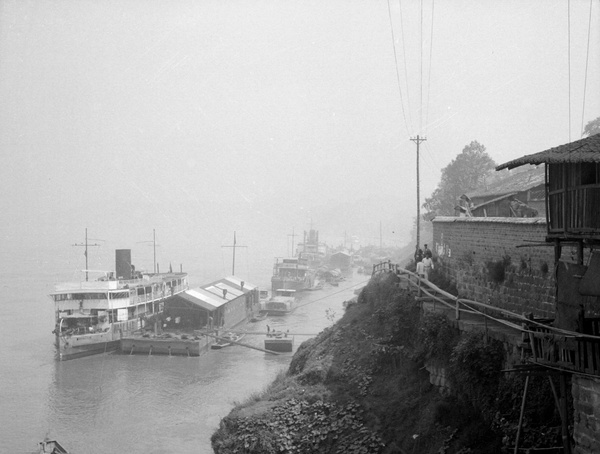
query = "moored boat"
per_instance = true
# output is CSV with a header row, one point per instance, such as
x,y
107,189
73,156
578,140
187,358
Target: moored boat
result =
x,y
92,316
278,341
51,447
292,273
262,315
163,344
226,340
283,302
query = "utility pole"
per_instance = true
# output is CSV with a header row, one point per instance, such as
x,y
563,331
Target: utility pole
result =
x,y
418,140
293,235
86,244
234,246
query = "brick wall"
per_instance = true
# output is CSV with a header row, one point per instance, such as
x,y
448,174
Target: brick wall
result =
x,y
481,256
586,423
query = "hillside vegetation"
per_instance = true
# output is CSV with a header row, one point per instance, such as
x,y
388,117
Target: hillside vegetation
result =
x,y
361,387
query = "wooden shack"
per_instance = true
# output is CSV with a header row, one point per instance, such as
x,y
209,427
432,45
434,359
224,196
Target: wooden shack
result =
x,y
573,219
512,194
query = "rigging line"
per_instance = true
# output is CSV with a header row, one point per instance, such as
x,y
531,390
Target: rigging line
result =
x,y
397,73
404,59
569,59
587,57
430,54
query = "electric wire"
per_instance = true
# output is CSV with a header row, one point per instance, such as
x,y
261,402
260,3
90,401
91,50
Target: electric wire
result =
x,y
404,61
396,64
430,62
421,72
587,58
569,59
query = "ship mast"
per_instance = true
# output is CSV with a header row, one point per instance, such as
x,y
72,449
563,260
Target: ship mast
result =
x,y
234,246
86,244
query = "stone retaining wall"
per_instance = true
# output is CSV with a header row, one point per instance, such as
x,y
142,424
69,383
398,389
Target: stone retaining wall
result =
x,y
586,423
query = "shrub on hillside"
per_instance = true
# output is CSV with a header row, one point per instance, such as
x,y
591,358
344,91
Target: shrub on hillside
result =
x,y
475,366
436,337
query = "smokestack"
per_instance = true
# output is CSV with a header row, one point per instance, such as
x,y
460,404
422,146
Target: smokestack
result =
x,y
242,285
123,265
224,293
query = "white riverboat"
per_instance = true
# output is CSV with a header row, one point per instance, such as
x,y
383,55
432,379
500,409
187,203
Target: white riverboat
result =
x,y
92,316
282,302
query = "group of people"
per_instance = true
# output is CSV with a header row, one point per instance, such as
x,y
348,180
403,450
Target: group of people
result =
x,y
423,259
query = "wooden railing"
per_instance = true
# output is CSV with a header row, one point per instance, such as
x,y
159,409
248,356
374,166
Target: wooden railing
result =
x,y
549,346
578,214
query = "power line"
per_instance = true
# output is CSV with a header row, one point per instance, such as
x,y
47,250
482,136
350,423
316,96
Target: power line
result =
x,y
421,74
397,73
430,59
569,59
587,57
404,61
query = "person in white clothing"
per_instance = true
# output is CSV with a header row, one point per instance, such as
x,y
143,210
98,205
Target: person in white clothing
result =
x,y
420,269
427,265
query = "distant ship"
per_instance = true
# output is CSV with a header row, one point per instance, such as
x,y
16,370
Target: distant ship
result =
x,y
311,250
292,274
92,316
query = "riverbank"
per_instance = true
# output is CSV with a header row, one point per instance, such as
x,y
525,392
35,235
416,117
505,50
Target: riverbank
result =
x,y
362,386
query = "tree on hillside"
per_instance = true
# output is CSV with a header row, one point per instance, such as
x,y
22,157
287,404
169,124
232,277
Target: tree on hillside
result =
x,y
592,128
465,173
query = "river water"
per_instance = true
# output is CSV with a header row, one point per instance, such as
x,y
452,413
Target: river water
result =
x,y
135,404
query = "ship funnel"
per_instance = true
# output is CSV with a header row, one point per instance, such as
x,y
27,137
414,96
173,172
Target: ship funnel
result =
x,y
123,265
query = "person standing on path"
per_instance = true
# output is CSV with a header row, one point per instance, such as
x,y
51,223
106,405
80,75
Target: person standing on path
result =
x,y
427,265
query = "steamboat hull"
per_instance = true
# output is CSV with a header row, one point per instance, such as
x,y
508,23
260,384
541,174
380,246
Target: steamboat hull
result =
x,y
73,346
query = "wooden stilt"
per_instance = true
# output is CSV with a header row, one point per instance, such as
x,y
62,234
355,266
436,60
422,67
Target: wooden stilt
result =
x,y
564,414
521,414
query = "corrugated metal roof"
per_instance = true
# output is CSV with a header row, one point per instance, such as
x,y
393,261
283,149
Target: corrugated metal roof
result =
x,y
512,183
234,283
238,283
203,298
584,150
218,288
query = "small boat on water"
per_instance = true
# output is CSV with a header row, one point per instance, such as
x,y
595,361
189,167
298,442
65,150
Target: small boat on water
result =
x,y
51,447
92,316
226,340
283,302
262,315
317,286
278,341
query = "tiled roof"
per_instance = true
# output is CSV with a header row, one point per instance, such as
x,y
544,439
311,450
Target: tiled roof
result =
x,y
584,150
512,183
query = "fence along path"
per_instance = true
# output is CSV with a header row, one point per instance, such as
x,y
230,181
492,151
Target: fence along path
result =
x,y
550,346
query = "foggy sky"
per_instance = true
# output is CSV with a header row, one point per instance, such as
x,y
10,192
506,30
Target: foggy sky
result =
x,y
200,118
